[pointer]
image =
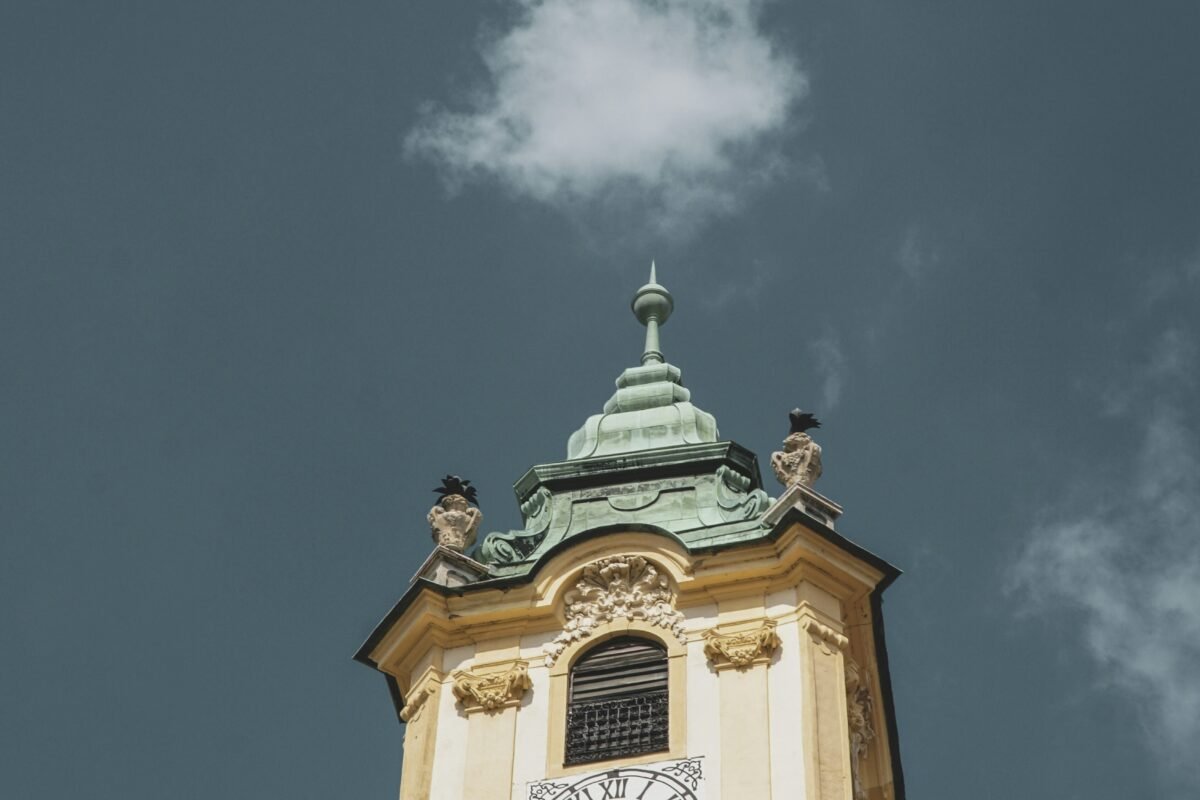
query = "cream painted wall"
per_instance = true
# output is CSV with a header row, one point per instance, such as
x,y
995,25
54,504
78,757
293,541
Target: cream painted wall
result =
x,y
450,752
529,763
704,715
773,729
786,711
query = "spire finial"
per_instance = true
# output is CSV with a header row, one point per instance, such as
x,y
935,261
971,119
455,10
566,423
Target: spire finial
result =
x,y
652,305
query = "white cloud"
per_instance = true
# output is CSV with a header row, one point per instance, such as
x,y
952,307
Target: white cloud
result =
x,y
830,361
1124,557
674,106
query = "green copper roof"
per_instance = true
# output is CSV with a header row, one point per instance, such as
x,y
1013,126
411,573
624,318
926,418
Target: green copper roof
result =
x,y
650,458
651,408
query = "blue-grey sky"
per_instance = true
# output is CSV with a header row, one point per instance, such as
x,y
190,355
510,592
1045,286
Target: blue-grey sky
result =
x,y
268,270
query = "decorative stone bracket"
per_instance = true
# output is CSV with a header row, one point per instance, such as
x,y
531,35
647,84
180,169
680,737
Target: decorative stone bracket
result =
x,y
413,703
741,649
423,689
827,636
494,689
615,588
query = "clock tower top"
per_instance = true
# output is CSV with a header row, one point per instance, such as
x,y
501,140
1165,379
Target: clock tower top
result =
x,y
659,628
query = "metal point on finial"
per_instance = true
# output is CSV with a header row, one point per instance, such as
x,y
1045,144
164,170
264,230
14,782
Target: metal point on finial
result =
x,y
652,305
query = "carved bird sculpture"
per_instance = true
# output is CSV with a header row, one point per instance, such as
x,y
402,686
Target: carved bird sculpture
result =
x,y
802,421
452,484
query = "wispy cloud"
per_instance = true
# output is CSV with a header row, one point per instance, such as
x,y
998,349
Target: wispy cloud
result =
x,y
672,106
1124,556
830,362
916,256
1166,281
746,285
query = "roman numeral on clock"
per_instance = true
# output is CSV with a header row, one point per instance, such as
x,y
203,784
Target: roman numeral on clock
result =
x,y
614,789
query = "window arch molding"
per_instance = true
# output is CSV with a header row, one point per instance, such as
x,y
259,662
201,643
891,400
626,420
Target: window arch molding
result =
x,y
560,680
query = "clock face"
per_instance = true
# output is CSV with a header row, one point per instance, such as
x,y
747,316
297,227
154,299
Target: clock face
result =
x,y
672,780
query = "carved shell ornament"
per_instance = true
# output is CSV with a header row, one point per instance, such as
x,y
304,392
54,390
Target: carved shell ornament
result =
x,y
614,588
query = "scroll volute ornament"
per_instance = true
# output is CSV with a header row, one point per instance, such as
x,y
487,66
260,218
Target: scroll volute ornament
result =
x,y
492,690
741,649
830,640
414,702
417,697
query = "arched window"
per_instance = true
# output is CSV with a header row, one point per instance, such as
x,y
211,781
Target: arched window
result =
x,y
617,701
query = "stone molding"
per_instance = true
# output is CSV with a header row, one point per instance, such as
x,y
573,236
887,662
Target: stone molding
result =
x,y
492,690
450,568
825,635
741,649
615,588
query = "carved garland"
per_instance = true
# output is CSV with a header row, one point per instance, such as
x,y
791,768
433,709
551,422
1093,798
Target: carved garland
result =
x,y
618,587
860,707
492,690
742,649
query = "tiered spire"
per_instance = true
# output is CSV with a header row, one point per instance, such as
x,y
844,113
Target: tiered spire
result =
x,y
650,409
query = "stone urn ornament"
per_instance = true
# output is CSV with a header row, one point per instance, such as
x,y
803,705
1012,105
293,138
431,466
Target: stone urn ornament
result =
x,y
800,460
453,522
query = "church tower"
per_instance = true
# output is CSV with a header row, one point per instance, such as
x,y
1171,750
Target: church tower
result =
x,y
659,629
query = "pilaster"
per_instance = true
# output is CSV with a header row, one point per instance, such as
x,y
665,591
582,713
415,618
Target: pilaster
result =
x,y
420,712
826,735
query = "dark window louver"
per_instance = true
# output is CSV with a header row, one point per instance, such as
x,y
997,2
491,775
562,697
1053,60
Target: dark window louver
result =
x,y
617,705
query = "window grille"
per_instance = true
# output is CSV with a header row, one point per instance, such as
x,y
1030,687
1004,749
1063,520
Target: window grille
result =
x,y
617,705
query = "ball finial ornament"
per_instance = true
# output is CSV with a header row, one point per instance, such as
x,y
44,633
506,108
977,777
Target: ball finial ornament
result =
x,y
653,301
